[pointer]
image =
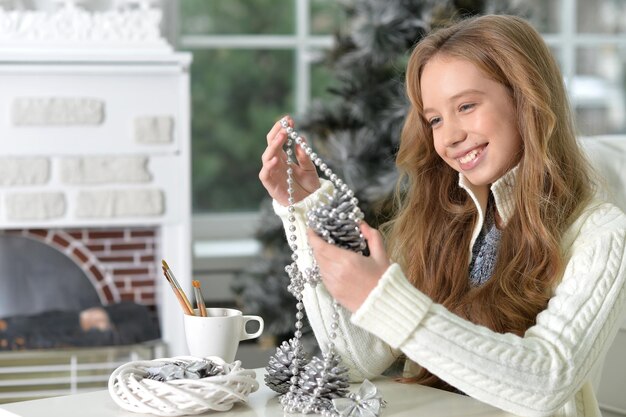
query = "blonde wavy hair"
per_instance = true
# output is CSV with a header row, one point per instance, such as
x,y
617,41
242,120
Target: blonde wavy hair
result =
x,y
431,231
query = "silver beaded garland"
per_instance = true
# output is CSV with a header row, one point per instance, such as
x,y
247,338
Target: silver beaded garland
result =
x,y
314,384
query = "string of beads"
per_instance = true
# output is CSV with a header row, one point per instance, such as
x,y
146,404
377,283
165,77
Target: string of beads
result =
x,y
312,385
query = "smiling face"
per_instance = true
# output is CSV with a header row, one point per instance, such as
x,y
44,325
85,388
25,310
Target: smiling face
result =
x,y
473,119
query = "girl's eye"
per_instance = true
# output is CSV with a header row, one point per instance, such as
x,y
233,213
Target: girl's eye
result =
x,y
434,121
466,107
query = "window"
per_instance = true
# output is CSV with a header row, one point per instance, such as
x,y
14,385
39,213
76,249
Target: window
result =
x,y
253,62
589,40
256,60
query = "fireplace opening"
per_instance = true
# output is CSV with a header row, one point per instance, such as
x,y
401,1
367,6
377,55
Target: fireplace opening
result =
x,y
36,278
61,289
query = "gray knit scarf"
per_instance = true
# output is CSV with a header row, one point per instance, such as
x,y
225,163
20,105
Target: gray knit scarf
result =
x,y
485,250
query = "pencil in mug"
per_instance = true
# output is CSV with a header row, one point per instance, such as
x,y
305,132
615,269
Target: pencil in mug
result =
x,y
199,300
178,291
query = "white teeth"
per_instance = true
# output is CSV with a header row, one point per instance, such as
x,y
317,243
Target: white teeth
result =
x,y
469,156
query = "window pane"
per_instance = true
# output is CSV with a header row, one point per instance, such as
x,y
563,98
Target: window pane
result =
x,y
545,15
326,16
322,77
599,89
601,16
236,17
236,96
557,54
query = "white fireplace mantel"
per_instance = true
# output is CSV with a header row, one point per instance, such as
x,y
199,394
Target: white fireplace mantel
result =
x,y
95,132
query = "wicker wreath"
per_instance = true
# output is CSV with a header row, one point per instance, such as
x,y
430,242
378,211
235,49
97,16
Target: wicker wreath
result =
x,y
132,391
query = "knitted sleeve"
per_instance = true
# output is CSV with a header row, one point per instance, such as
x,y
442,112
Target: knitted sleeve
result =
x,y
533,375
365,355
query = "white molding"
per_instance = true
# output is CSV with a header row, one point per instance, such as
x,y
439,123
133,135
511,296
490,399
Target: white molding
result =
x,y
254,41
219,226
587,39
226,248
303,66
71,27
82,61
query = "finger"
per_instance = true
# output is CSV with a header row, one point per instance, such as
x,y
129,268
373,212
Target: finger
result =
x,y
272,133
277,128
314,240
266,170
375,242
320,246
323,249
275,148
304,160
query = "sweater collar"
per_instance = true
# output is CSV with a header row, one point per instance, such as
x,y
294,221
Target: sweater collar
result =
x,y
502,191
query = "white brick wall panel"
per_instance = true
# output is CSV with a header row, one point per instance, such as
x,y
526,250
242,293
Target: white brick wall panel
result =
x,y
51,111
35,206
120,203
105,169
154,129
24,171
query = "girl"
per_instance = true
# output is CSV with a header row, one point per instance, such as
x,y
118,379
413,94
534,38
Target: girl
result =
x,y
507,277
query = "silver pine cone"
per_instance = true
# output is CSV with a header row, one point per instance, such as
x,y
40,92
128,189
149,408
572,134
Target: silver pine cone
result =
x,y
279,368
326,378
337,221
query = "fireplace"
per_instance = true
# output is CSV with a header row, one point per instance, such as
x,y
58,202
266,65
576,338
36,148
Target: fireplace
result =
x,y
94,123
75,269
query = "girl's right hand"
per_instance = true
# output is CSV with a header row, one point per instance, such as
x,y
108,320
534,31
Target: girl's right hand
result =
x,y
273,174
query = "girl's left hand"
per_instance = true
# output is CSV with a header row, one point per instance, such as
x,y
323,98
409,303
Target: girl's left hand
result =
x,y
348,276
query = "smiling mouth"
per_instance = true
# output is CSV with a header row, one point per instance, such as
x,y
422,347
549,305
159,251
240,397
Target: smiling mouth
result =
x,y
471,155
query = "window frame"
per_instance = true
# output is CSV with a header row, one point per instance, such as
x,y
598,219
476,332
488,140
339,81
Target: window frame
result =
x,y
242,225
567,39
207,227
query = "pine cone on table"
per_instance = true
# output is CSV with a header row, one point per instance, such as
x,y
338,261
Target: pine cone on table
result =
x,y
279,370
325,378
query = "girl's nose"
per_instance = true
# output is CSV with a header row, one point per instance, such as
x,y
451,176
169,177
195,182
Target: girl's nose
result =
x,y
453,133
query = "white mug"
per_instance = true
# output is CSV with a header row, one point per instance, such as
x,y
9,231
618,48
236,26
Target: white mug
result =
x,y
219,333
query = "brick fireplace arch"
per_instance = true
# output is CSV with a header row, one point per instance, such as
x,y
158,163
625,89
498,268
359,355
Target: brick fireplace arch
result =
x,y
119,262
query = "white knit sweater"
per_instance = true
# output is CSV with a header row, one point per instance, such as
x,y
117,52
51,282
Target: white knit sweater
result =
x,y
546,372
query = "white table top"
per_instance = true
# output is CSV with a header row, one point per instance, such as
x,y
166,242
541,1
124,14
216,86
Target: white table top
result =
x,y
402,400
